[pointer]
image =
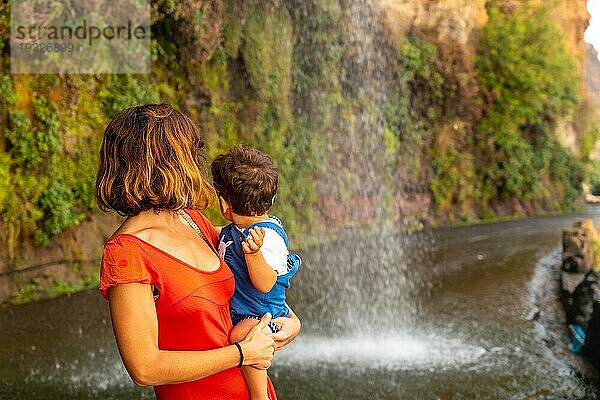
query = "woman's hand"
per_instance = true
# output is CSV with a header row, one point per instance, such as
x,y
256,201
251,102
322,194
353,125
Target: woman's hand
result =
x,y
290,328
258,347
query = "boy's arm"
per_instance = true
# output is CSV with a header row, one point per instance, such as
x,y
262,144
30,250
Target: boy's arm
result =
x,y
262,275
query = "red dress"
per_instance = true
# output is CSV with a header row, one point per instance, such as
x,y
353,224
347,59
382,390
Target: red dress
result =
x,y
192,310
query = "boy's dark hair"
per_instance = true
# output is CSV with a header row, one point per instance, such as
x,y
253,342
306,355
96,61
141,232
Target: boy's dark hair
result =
x,y
247,179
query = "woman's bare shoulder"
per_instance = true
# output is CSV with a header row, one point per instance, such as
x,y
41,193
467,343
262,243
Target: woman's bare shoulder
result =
x,y
143,228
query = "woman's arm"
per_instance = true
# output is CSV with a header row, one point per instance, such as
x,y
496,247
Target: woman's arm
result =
x,y
290,329
136,330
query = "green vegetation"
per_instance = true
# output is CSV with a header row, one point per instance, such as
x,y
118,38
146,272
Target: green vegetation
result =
x,y
412,110
57,287
528,77
594,177
273,74
512,153
60,287
49,143
27,293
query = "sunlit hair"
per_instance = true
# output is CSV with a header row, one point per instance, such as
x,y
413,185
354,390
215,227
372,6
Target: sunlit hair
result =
x,y
152,158
247,179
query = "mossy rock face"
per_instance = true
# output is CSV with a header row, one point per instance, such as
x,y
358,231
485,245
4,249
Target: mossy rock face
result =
x,y
580,294
577,250
287,76
266,50
49,142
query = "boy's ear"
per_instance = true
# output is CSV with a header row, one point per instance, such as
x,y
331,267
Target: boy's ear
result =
x,y
224,204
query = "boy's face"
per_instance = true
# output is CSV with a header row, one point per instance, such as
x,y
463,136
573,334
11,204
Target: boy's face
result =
x,y
225,209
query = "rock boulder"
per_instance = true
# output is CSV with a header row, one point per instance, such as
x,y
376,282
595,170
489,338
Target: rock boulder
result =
x,y
580,284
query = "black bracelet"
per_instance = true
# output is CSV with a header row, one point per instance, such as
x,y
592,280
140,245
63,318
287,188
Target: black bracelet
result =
x,y
241,354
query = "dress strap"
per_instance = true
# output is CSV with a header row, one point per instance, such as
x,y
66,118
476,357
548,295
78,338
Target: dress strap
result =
x,y
196,228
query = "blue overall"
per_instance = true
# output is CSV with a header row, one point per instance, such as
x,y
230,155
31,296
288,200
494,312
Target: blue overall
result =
x,y
247,301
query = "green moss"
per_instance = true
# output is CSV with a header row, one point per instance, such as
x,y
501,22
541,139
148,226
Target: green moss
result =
x,y
7,91
390,142
57,203
232,29
414,108
5,185
26,294
60,287
267,54
594,177
22,140
587,123
451,187
122,91
410,115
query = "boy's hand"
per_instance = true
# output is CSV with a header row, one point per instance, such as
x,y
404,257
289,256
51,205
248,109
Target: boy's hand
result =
x,y
254,241
289,329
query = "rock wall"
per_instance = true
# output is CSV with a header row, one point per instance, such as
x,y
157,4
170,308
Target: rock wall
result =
x,y
453,20
592,75
457,22
591,79
580,282
573,17
65,261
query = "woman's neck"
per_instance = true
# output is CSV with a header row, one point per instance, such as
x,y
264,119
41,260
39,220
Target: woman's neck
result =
x,y
165,219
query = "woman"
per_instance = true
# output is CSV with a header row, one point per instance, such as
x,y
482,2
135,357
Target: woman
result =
x,y
168,289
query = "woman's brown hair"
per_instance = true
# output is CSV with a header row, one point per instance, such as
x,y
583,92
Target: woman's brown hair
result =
x,y
152,158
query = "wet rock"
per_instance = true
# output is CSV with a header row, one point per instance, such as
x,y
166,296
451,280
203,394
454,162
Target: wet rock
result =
x,y
580,284
587,298
592,342
580,305
569,281
577,250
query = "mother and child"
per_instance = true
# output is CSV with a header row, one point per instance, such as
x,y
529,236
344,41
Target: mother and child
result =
x,y
197,310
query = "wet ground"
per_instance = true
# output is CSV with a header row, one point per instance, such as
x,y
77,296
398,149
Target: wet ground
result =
x,y
454,314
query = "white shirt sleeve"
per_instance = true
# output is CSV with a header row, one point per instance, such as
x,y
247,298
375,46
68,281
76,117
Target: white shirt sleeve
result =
x,y
275,252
